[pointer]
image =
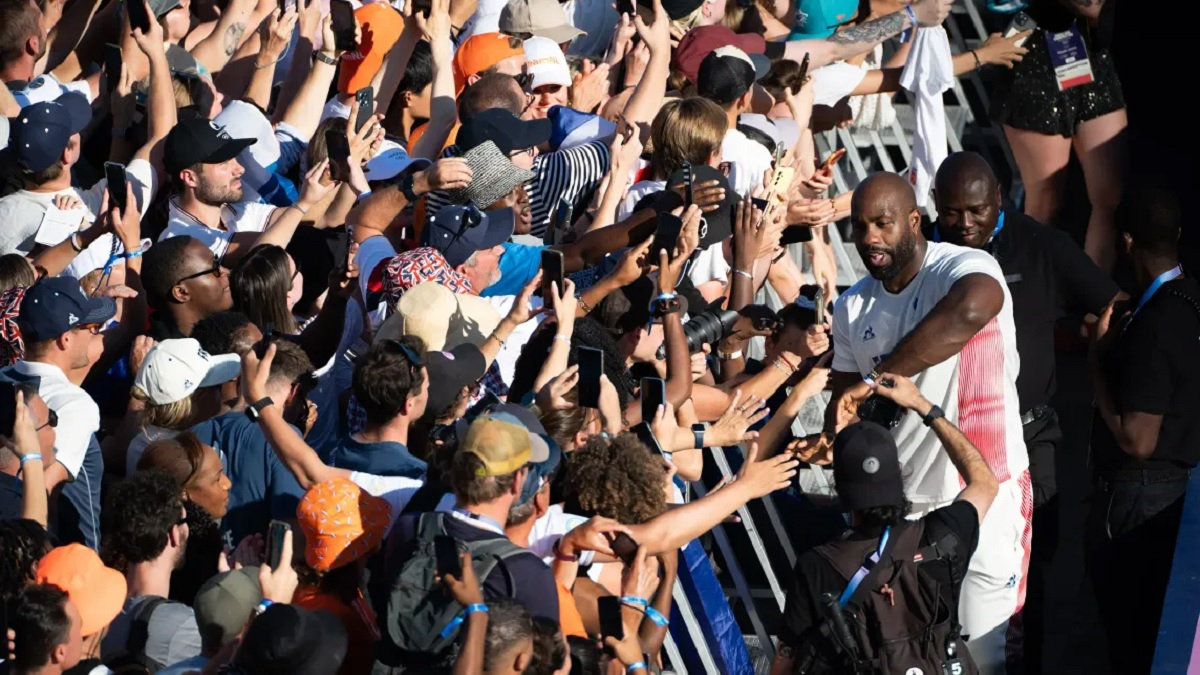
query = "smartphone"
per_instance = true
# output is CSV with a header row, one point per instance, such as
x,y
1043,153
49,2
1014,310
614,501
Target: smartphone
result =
x,y
819,302
562,217
115,174
667,234
260,347
689,194
139,16
654,395
448,562
366,107
1020,23
275,543
591,366
552,273
608,607
422,7
795,234
112,67
833,158
803,68
625,548
760,204
646,436
781,181
349,242
343,25
339,154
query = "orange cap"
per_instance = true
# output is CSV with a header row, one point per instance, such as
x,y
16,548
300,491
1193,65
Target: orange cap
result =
x,y
479,53
341,523
97,591
381,27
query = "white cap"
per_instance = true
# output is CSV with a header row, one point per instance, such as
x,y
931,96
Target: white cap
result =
x,y
546,63
175,369
391,161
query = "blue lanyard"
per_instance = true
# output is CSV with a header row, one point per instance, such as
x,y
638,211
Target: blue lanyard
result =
x,y
865,569
486,521
1169,275
937,236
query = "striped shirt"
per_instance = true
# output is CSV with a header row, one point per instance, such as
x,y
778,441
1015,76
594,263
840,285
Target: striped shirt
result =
x,y
563,174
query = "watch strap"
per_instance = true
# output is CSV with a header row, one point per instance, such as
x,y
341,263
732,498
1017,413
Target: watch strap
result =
x,y
698,435
406,187
254,410
934,413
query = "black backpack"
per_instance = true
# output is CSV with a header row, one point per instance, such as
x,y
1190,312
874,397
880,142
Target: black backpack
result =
x,y
419,610
133,661
893,617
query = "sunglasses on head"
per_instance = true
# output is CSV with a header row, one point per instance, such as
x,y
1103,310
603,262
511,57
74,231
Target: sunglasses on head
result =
x,y
215,270
414,359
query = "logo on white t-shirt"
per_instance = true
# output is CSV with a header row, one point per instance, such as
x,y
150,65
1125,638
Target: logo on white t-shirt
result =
x,y
868,334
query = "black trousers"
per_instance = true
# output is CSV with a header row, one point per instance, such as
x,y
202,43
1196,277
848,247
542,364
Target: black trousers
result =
x,y
1132,532
1042,439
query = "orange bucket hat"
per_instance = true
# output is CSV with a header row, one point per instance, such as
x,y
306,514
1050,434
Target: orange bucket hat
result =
x,y
479,53
97,591
341,523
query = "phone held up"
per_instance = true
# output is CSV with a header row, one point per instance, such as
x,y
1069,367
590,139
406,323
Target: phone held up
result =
x,y
591,367
275,535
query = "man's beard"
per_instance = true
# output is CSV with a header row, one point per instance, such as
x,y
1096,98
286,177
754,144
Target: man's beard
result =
x,y
899,258
207,193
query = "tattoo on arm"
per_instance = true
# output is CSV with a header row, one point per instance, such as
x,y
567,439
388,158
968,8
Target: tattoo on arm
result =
x,y
873,31
233,38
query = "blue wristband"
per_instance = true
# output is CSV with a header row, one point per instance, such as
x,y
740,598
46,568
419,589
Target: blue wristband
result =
x,y
134,254
477,607
457,621
635,666
362,196
263,606
651,613
912,17
31,456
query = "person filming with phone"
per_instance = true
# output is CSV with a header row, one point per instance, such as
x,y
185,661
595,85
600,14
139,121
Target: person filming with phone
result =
x,y
933,552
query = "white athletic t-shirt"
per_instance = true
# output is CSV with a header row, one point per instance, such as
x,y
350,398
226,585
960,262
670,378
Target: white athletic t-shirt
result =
x,y
976,388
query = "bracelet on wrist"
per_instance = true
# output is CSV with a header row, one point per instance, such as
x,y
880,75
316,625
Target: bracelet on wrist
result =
x,y
730,356
793,366
743,273
635,667
136,253
565,557
563,338
30,457
474,608
263,605
644,605
325,58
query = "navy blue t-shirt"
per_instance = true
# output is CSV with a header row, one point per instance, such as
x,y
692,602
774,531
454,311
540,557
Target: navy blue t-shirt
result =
x,y
385,458
11,501
262,489
79,501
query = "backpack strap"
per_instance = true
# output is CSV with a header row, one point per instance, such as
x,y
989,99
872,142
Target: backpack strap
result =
x,y
865,579
430,525
497,551
139,630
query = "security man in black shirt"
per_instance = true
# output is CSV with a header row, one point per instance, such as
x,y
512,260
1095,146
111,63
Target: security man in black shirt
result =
x,y
1145,365
1048,276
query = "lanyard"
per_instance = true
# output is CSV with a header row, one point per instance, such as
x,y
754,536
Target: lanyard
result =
x,y
865,569
937,235
478,520
1169,275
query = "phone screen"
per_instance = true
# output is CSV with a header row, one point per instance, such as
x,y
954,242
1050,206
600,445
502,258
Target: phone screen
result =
x,y
591,366
625,547
562,215
112,67
275,543
760,204
339,154
115,175
366,107
646,435
139,16
343,25
654,394
608,607
667,234
448,562
552,273
819,301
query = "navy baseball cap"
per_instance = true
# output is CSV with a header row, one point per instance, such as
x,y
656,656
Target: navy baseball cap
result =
x,y
503,128
56,305
457,232
866,467
43,130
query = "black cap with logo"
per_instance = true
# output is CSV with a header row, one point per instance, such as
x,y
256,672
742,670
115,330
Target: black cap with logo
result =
x,y
866,467
200,141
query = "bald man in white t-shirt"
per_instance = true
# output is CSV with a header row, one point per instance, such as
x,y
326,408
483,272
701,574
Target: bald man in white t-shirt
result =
x,y
941,315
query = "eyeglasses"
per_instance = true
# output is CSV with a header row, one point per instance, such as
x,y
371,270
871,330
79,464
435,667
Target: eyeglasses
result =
x,y
523,151
51,421
93,328
215,270
183,520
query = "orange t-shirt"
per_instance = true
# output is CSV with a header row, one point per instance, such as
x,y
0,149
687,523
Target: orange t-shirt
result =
x,y
361,630
569,618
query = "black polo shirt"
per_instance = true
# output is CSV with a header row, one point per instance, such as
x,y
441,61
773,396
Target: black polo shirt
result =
x,y
1048,275
1154,367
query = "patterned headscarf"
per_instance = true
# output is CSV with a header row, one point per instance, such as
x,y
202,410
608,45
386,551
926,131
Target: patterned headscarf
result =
x,y
12,347
341,523
419,265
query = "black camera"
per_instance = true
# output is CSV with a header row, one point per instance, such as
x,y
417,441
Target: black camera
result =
x,y
880,410
706,328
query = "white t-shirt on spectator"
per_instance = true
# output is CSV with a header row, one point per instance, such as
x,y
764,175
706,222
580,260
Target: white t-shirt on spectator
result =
x,y
79,414
242,217
749,161
636,193
31,218
976,387
506,360
396,490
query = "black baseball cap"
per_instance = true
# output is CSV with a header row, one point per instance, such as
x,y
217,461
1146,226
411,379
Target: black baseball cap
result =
x,y
55,305
43,130
503,128
866,467
675,9
200,141
457,232
727,73
292,640
450,371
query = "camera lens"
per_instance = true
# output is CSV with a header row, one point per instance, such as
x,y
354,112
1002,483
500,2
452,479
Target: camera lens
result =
x,y
704,329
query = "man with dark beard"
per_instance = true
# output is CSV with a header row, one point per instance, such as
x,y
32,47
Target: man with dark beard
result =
x,y
941,315
202,162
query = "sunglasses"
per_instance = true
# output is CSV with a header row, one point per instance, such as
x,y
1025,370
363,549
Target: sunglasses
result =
x,y
215,270
51,421
93,328
414,359
524,79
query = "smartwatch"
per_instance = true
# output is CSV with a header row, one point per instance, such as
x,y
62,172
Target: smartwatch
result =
x,y
254,410
934,414
406,187
698,435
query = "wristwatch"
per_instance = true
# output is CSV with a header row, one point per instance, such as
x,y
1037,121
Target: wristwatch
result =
x,y
698,435
254,410
406,187
933,414
325,58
